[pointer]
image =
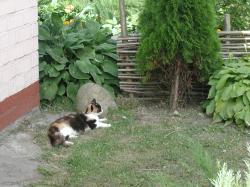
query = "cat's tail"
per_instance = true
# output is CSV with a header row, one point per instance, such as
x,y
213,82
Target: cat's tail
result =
x,y
55,137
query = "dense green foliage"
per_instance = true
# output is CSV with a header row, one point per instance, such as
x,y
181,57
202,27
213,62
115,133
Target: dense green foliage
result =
x,y
239,11
178,30
229,95
105,11
72,54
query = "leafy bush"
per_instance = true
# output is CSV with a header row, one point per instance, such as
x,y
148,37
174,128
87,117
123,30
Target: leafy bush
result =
x,y
178,34
104,11
229,95
73,54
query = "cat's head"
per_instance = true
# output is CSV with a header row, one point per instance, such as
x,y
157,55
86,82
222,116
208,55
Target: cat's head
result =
x,y
94,107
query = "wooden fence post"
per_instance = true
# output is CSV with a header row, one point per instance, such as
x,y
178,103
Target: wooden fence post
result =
x,y
124,32
227,22
227,25
123,18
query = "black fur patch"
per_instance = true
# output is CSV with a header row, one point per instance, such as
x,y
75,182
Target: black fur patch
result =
x,y
79,122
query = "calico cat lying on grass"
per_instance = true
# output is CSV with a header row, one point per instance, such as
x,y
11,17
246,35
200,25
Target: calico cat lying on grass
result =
x,y
70,126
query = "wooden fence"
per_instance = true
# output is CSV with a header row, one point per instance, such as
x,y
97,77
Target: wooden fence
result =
x,y
236,43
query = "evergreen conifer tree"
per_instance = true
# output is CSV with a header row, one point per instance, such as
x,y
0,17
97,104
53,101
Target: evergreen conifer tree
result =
x,y
178,33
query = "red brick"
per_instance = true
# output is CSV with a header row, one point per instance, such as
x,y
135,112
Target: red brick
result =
x,y
19,104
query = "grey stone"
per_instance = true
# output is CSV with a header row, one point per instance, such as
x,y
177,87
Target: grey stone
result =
x,y
89,91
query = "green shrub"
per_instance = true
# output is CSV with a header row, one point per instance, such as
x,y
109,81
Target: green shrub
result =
x,y
105,11
74,54
178,34
229,95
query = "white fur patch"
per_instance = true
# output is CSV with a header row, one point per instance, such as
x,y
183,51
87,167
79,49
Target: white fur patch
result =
x,y
68,131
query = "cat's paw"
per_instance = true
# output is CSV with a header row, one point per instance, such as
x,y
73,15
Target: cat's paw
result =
x,y
68,143
103,119
108,125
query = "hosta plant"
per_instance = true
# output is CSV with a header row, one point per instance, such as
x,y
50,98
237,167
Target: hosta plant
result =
x,y
74,54
229,95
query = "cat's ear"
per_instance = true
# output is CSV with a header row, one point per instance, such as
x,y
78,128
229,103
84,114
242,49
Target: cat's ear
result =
x,y
93,101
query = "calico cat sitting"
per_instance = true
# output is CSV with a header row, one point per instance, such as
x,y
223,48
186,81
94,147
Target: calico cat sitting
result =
x,y
70,126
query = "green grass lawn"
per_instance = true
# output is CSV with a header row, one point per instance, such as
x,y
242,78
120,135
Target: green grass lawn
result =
x,y
146,146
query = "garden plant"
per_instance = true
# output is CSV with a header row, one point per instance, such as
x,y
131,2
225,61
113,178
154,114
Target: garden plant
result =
x,y
176,35
229,95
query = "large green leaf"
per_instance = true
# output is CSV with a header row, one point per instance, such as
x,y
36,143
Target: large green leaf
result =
x,y
247,117
111,55
42,65
59,67
57,23
65,76
110,67
106,47
110,89
210,107
248,94
57,54
112,81
245,100
76,73
92,26
97,78
226,94
238,90
44,33
61,90
84,65
212,92
221,83
53,72
72,89
86,53
239,105
48,90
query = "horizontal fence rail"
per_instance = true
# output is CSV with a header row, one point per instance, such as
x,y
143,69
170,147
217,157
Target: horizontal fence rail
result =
x,y
234,43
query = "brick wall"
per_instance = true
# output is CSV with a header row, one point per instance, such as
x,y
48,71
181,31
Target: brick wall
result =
x,y
18,59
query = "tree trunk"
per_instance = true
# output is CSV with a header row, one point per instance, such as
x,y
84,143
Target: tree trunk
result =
x,y
175,87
